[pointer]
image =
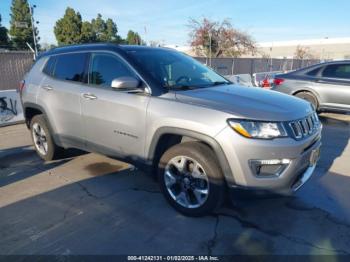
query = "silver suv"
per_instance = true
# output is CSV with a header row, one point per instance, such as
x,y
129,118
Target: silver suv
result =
x,y
162,110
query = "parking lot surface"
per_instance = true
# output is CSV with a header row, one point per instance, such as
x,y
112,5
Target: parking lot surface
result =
x,y
91,204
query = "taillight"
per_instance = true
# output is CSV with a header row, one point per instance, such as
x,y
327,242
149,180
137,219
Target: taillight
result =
x,y
21,86
278,81
266,83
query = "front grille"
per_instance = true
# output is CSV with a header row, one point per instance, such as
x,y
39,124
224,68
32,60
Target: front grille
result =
x,y
305,127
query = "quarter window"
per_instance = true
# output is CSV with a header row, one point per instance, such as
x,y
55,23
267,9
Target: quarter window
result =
x,y
70,67
337,71
105,68
50,64
313,72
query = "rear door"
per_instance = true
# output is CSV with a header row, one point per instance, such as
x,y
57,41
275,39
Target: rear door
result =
x,y
60,96
333,85
114,120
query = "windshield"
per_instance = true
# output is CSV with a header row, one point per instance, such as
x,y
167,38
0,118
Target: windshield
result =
x,y
176,70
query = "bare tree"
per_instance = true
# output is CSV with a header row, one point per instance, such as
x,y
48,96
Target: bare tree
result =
x,y
215,39
303,53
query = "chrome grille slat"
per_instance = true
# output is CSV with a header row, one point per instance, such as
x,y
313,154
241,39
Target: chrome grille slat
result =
x,y
305,127
311,125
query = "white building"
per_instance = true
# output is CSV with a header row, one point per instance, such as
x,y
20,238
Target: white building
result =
x,y
327,48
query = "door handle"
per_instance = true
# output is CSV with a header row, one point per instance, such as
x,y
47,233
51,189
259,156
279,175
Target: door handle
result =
x,y
321,81
47,87
89,96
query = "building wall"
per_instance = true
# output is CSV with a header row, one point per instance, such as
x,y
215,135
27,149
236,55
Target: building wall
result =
x,y
324,49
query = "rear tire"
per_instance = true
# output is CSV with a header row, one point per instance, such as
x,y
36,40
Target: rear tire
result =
x,y
308,97
42,139
200,187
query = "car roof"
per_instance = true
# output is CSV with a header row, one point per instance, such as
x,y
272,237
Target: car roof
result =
x,y
98,46
334,62
314,66
325,63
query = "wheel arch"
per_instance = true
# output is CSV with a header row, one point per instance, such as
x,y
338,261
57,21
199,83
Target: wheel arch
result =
x,y
165,137
30,110
307,90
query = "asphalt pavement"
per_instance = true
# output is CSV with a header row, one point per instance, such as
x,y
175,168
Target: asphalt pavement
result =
x,y
91,204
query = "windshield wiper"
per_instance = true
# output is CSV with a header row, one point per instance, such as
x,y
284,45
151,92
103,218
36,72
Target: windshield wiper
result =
x,y
217,83
191,87
183,87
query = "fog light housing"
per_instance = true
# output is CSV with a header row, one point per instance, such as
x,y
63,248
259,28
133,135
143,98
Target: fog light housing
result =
x,y
268,168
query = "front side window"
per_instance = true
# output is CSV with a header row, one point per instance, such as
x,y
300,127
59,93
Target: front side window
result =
x,y
337,71
70,67
104,68
174,70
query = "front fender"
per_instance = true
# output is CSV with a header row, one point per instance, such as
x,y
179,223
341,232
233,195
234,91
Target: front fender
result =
x,y
223,162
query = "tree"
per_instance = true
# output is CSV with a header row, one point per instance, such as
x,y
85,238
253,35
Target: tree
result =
x,y
87,33
303,53
4,39
68,29
212,38
133,38
112,31
99,27
72,30
21,25
105,31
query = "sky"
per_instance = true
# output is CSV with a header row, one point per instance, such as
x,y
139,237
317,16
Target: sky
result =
x,y
167,21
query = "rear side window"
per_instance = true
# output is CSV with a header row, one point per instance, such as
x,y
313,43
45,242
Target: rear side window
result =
x,y
337,71
50,65
70,67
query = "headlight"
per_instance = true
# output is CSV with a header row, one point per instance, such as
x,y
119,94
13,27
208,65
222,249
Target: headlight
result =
x,y
258,129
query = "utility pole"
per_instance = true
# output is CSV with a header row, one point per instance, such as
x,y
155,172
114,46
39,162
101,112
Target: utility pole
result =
x,y
31,10
146,38
210,48
270,65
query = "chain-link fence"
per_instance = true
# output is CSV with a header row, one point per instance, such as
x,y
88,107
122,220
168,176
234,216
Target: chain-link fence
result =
x,y
13,66
236,66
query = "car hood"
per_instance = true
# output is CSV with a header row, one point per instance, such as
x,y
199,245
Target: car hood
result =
x,y
248,102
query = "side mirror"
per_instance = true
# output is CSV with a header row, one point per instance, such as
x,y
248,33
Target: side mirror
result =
x,y
125,82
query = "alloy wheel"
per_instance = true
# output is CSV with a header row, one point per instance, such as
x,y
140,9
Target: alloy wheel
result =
x,y
186,181
40,139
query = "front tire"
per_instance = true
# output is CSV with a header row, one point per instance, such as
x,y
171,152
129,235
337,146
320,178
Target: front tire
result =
x,y
42,139
191,179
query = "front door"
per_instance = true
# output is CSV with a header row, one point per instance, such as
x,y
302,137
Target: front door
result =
x,y
114,120
334,85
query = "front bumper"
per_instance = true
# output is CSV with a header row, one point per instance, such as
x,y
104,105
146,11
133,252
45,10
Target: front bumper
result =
x,y
303,178
240,151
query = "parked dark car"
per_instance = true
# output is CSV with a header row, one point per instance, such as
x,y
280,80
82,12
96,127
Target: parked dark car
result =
x,y
325,85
